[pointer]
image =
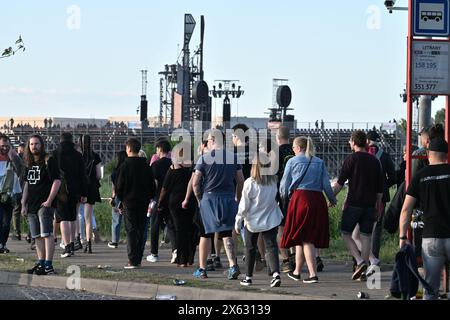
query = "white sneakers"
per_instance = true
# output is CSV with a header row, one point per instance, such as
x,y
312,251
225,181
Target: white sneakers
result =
x,y
152,258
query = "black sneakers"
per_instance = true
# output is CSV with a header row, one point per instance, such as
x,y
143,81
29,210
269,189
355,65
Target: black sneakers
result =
x,y
66,252
319,264
275,282
41,271
360,269
36,267
295,277
46,271
246,282
311,280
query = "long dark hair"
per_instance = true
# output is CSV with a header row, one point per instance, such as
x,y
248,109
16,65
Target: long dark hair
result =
x,y
28,156
86,148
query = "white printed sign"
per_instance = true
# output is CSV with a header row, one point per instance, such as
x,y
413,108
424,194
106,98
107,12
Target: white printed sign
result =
x,y
430,68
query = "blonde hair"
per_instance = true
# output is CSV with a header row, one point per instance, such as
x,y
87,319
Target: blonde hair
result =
x,y
255,173
306,144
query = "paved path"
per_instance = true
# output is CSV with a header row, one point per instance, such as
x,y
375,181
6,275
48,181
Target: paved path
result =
x,y
335,281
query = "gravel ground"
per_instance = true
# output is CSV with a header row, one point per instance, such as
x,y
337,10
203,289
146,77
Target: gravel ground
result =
x,y
14,292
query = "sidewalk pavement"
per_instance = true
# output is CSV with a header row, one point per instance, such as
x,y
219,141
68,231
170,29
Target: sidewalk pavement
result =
x,y
334,282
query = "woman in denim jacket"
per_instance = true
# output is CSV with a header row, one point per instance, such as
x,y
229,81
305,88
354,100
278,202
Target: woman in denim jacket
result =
x,y
304,180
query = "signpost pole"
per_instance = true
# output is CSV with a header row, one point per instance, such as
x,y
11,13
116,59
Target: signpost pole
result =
x,y
409,103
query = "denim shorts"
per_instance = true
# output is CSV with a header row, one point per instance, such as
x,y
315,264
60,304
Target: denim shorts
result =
x,y
41,223
351,216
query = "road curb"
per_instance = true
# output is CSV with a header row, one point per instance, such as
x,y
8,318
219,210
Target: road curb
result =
x,y
136,290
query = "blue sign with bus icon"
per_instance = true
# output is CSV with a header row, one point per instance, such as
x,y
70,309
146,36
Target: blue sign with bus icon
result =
x,y
431,18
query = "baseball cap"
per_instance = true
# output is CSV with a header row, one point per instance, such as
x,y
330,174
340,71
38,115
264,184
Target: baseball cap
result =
x,y
438,145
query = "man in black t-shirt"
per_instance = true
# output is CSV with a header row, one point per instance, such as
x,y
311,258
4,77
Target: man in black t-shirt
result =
x,y
42,182
135,187
365,191
431,188
157,220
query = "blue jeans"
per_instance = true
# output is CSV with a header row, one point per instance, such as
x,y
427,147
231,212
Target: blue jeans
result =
x,y
116,222
435,252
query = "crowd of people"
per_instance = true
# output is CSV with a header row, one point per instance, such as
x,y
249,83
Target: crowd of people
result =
x,y
275,196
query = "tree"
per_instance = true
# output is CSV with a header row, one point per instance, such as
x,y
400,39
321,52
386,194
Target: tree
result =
x,y
440,117
10,52
402,125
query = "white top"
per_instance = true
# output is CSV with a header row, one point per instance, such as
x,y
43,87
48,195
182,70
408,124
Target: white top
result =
x,y
258,207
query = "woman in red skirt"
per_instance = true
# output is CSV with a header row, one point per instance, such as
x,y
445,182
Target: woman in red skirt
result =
x,y
304,180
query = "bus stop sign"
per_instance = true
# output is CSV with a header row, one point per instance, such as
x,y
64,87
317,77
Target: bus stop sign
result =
x,y
431,18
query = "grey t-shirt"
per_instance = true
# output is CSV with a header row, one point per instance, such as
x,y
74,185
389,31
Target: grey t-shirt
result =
x,y
218,169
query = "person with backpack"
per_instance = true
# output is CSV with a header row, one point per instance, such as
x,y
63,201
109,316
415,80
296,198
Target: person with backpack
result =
x,y
11,167
73,190
42,183
430,187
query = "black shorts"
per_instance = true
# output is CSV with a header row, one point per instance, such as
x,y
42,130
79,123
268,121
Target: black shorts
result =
x,y
41,223
351,216
67,211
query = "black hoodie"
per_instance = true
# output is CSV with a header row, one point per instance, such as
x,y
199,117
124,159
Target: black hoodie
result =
x,y
135,184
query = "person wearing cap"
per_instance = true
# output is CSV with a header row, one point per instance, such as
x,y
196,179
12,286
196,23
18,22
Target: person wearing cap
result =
x,y
430,187
389,177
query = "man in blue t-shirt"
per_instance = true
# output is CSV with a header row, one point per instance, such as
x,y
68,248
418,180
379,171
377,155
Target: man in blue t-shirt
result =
x,y
219,202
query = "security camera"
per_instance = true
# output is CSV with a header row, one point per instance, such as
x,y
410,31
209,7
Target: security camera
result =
x,y
389,4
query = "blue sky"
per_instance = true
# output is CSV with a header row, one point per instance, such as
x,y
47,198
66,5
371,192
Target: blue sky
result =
x,y
345,60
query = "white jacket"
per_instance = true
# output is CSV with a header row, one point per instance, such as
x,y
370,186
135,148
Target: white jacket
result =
x,y
258,207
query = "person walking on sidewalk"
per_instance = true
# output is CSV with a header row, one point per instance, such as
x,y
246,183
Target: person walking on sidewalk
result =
x,y
42,182
92,163
259,211
430,187
116,215
135,187
365,191
218,205
173,193
304,180
160,220
17,210
73,176
11,167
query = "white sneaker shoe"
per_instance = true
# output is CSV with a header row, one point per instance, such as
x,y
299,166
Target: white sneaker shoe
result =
x,y
174,256
152,258
62,245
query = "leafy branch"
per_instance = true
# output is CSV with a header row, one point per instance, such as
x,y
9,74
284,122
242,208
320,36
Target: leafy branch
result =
x,y
10,51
